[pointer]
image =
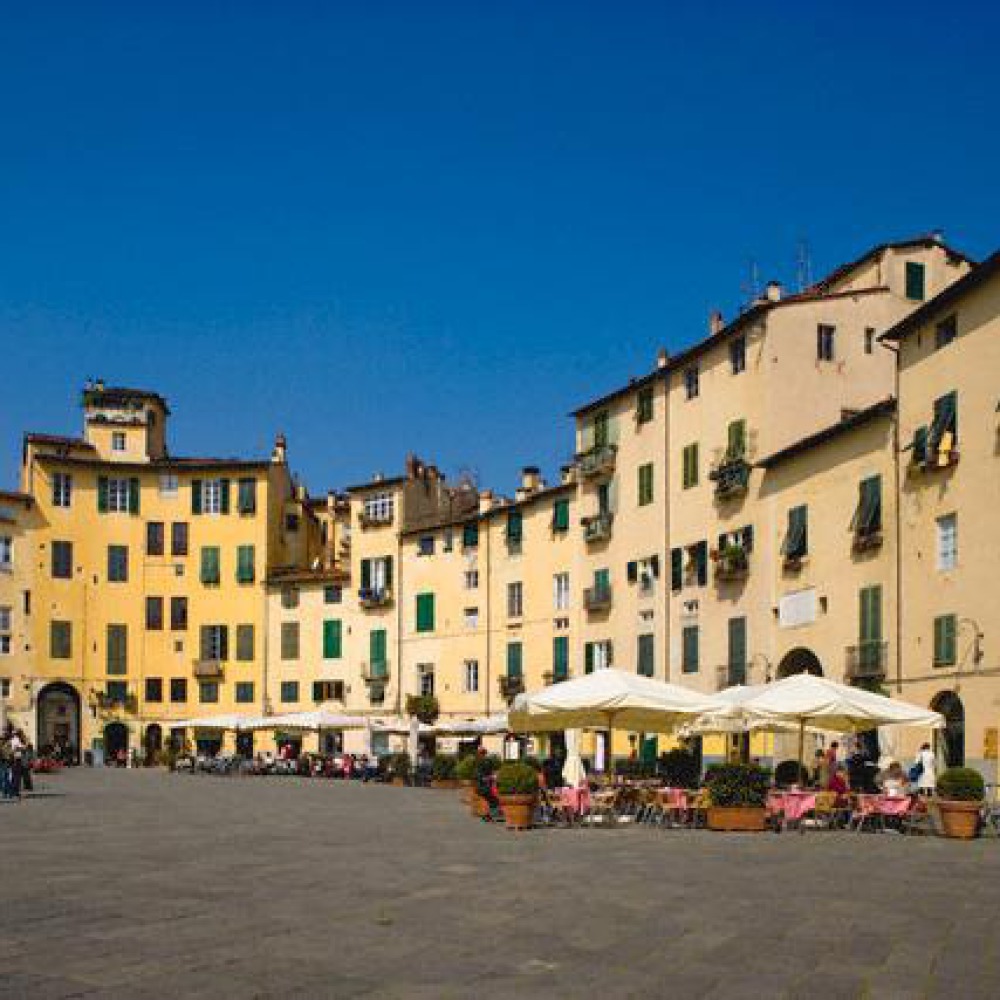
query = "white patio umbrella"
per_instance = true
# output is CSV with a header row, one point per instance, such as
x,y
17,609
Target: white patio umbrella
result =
x,y
307,721
607,699
487,726
231,721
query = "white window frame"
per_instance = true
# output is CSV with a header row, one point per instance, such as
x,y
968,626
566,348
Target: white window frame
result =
x,y
425,678
6,553
211,496
118,441
62,489
515,599
471,617
379,507
118,493
946,527
6,618
169,486
602,659
472,579
471,677
560,591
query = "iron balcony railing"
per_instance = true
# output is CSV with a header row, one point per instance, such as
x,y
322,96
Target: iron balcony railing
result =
x,y
597,528
597,598
598,461
374,597
375,672
867,660
510,687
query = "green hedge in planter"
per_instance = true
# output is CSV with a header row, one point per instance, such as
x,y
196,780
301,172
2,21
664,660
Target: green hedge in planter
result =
x,y
443,767
738,785
679,768
961,784
516,777
790,772
485,764
465,769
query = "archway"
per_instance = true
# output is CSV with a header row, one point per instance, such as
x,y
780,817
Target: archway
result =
x,y
57,720
153,741
799,661
950,742
115,742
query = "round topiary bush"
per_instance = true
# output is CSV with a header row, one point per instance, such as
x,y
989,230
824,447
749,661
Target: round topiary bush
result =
x,y
961,784
516,777
740,785
443,767
679,768
790,772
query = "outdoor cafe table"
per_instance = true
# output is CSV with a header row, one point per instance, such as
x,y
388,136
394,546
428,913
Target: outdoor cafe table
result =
x,y
790,806
675,801
575,800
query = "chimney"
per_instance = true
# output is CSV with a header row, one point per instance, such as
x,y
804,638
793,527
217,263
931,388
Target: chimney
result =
x,y
485,501
772,292
279,454
331,501
567,473
716,321
531,479
662,357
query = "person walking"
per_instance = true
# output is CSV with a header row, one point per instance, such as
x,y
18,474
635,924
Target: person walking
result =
x,y
924,770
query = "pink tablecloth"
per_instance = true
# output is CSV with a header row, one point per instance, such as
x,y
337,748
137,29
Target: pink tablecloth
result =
x,y
792,805
575,799
890,805
673,798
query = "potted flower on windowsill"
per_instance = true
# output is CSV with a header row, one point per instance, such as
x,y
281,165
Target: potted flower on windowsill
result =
x,y
960,793
517,789
738,797
443,769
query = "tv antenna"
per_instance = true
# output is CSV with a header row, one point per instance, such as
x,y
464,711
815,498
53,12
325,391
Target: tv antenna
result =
x,y
803,264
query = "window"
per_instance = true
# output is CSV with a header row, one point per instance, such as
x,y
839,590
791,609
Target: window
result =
x,y
826,336
178,614
178,690
560,515
210,496
208,692
60,640
244,692
116,692
738,355
117,440
915,281
736,440
471,677
869,340
644,405
602,583
645,655
515,599
154,689
214,643
867,520
333,642
945,636
425,612
425,671
62,489
210,572
470,536
117,649
560,657
244,642
602,429
7,554
737,659
289,640
796,543
291,522
289,597
471,617
947,542
378,665
168,486
425,545
689,470
692,382
328,690
869,626
515,661
154,614
447,540
154,538
62,560
5,623
332,594
943,434
945,332
246,498
689,649
117,496
379,508
179,538
4,687
645,484
471,579
245,564
117,563
376,575
560,591
697,562
596,656
515,531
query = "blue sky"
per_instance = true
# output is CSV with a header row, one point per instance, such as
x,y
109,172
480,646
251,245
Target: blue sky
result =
x,y
438,227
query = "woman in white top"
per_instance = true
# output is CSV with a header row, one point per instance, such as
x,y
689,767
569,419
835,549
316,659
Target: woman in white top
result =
x,y
927,778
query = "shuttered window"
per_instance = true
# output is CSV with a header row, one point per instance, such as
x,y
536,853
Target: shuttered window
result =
x,y
377,653
796,543
332,639
117,563
244,643
245,564
689,649
560,515
470,536
868,515
676,569
515,533
210,575
737,664
514,660
117,649
60,640
870,617
690,466
645,655
425,612
944,428
154,538
560,657
154,614
645,484
915,275
289,640
178,613
247,497
736,439
945,640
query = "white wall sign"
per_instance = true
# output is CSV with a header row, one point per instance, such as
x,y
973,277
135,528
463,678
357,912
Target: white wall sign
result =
x,y
797,609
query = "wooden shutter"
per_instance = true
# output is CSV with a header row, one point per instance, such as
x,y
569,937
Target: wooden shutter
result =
x,y
376,651
676,569
560,656
388,572
513,659
690,649
195,496
633,571
425,612
133,495
332,639
701,562
366,574
737,646
736,439
102,494
223,642
224,496
588,658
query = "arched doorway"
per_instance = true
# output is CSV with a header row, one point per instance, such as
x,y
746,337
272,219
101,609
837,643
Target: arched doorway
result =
x,y
115,741
57,720
950,742
244,745
153,741
799,661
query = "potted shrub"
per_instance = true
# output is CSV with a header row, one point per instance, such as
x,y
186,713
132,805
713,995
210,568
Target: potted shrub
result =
x,y
790,772
737,796
960,793
517,789
443,769
679,768
399,768
465,774
484,766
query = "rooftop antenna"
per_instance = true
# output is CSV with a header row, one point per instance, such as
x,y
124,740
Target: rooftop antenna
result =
x,y
803,264
751,287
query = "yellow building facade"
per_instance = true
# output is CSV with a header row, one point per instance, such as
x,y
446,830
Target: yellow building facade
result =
x,y
17,565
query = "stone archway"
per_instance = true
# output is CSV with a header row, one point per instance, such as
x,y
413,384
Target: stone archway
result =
x,y
153,741
950,742
57,720
799,661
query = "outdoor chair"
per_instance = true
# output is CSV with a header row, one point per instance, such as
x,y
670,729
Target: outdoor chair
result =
x,y
918,818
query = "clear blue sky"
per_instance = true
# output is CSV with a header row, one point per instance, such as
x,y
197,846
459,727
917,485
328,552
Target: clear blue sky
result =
x,y
438,227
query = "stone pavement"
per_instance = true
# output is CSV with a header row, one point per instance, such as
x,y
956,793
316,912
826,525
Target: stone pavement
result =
x,y
144,884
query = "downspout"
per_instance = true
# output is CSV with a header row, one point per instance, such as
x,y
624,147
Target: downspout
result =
x,y
898,526
489,638
399,621
667,564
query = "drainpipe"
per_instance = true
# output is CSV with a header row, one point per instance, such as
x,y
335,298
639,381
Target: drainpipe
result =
x,y
898,526
485,580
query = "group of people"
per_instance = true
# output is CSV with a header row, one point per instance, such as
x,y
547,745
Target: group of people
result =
x,y
16,755
832,774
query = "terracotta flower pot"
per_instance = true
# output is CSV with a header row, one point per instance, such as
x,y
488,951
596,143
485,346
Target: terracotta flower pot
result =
x,y
399,781
742,819
518,810
444,783
959,820
478,805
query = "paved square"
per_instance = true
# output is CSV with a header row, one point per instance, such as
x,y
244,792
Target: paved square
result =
x,y
144,884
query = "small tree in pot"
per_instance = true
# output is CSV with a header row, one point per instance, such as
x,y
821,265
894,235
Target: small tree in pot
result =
x,y
960,793
443,769
424,707
517,788
738,797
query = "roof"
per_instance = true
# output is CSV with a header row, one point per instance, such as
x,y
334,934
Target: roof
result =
x,y
14,496
544,494
816,292
64,442
943,300
296,574
882,408
376,484
114,395
163,464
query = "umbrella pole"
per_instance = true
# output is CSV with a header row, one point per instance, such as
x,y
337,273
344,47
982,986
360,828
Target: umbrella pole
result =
x,y
802,740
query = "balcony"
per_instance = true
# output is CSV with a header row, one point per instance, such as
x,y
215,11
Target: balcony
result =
x,y
598,462
731,478
374,597
867,661
510,687
730,675
597,598
866,541
208,669
105,702
550,677
369,520
597,528
375,672
731,563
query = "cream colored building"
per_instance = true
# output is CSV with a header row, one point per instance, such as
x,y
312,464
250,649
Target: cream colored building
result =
x,y
17,565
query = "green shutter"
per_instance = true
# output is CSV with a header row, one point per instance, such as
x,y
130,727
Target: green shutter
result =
x,y
676,569
209,564
737,650
588,658
796,542
102,494
470,536
388,572
560,656
133,495
195,496
224,496
366,574
645,655
513,659
870,624
245,564
425,612
736,443
868,516
560,515
915,281
376,652
514,527
332,639
689,662
701,563
645,484
945,634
